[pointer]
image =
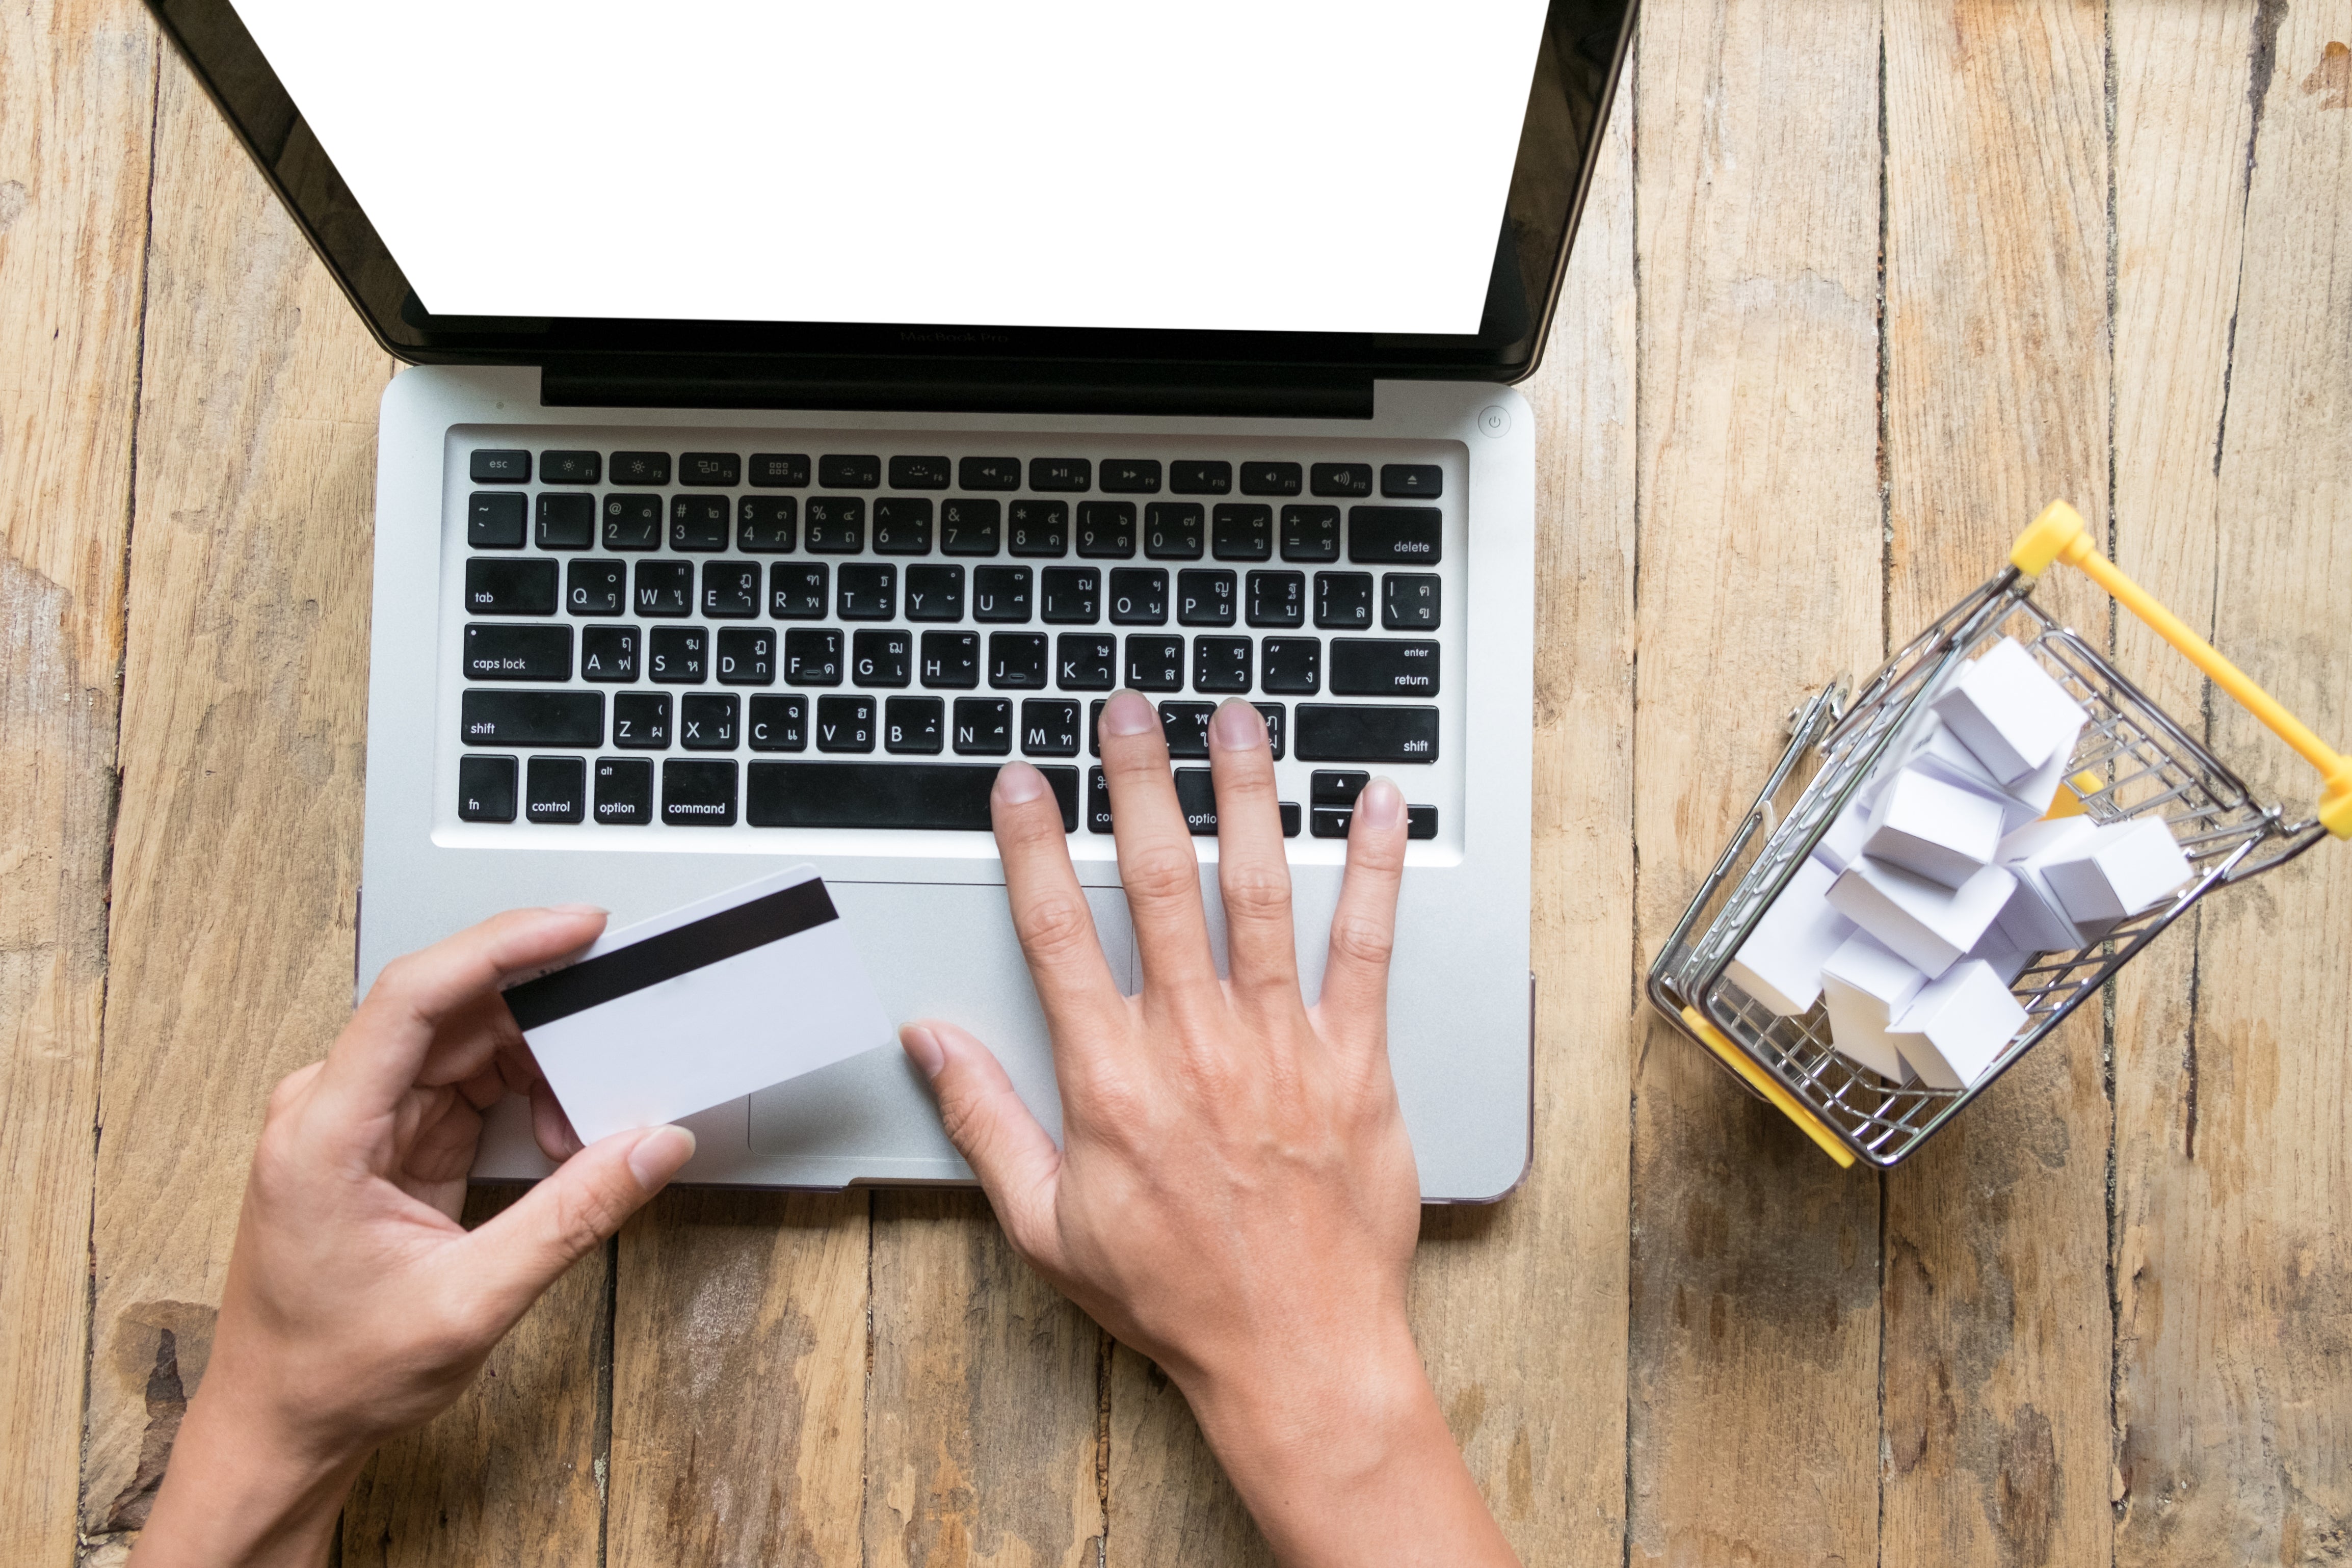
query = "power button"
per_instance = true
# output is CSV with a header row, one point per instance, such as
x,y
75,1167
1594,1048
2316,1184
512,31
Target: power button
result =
x,y
1495,420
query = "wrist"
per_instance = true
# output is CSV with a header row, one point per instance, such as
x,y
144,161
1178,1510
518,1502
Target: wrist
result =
x,y
242,1486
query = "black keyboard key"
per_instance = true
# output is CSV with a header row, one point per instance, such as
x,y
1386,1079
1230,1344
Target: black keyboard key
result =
x,y
485,788
989,474
510,585
663,588
1052,474
518,653
1196,797
1376,667
1409,602
1186,727
1001,592
1275,727
952,659
609,653
1221,664
780,470
1138,596
632,522
698,522
1049,727
845,724
679,655
1085,661
500,468
971,527
1106,530
1174,531
1310,533
1343,600
1190,476
1290,817
1421,821
837,471
1409,534
555,789
778,723
640,467
1016,661
835,525
914,727
1242,530
1327,788
494,519
746,656
1094,727
984,727
1038,528
1332,822
797,590
935,593
885,658
710,468
1070,595
1098,801
571,467
1272,479
1342,478
1155,663
567,520
812,656
508,718
767,525
919,473
1412,481
731,589
641,721
941,795
1324,733
707,721
595,587
869,590
1130,475
624,791
902,525
1277,599
1294,665
1205,598
697,793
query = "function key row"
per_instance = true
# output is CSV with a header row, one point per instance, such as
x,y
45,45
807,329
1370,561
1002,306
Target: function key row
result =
x,y
853,471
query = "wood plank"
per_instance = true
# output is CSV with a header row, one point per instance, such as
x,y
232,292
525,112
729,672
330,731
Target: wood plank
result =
x,y
738,1381
1754,1302
1998,1340
79,78
982,1412
2233,1187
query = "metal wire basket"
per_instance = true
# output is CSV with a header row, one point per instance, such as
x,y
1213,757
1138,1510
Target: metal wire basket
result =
x,y
2132,761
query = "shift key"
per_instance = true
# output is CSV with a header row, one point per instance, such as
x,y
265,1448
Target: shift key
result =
x,y
1380,535
1323,732
569,718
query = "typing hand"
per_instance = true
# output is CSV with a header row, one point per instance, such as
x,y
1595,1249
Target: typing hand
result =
x,y
1235,1197
356,1306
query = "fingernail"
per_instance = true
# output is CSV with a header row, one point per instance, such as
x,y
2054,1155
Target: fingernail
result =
x,y
1237,727
924,1047
659,1154
1017,782
1128,713
577,909
1381,804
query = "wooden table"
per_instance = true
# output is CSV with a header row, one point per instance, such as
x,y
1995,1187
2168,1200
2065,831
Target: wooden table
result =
x,y
1860,287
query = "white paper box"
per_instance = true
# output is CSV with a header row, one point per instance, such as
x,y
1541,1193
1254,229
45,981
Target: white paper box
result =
x,y
2117,872
1957,1028
1781,963
1865,985
1940,755
1932,926
2008,710
1840,845
2004,956
1927,826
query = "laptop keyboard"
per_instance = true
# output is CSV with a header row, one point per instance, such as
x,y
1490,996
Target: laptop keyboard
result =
x,y
833,636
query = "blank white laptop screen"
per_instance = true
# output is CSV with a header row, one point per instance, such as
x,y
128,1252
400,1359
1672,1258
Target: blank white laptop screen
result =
x,y
1279,165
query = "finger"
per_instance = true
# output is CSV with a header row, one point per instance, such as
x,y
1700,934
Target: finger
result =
x,y
985,1119
1049,909
549,1126
382,1050
568,1215
1253,877
1156,862
1363,927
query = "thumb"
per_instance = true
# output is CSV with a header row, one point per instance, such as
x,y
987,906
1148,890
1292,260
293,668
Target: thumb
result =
x,y
984,1118
570,1213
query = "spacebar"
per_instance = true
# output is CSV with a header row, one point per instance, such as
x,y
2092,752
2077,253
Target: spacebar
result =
x,y
884,795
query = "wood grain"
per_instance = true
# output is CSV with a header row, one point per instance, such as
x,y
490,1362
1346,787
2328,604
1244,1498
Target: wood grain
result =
x,y
738,1381
1754,1263
77,77
1998,1349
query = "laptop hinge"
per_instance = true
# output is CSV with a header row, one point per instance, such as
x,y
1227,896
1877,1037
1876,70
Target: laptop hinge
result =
x,y
956,386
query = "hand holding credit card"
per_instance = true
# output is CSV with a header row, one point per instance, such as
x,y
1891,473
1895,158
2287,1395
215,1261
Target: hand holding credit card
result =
x,y
702,1005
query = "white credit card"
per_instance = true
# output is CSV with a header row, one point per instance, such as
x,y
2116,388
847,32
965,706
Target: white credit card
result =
x,y
701,1006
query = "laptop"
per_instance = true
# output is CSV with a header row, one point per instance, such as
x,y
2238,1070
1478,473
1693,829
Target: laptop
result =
x,y
809,408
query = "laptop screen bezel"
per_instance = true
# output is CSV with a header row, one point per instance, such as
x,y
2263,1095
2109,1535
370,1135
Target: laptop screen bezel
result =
x,y
1581,55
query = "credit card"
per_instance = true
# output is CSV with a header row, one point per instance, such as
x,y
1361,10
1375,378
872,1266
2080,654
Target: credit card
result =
x,y
701,1006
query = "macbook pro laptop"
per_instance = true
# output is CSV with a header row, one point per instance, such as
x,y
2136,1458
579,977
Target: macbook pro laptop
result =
x,y
811,407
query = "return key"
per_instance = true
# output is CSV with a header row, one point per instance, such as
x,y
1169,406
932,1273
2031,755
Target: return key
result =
x,y
1375,667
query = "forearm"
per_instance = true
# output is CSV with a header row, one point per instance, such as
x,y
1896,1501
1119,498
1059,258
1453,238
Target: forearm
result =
x,y
234,1494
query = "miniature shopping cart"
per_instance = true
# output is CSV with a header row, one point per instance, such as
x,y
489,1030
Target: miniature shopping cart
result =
x,y
2132,761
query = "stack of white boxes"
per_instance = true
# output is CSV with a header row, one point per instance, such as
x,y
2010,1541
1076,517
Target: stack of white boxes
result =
x,y
1946,877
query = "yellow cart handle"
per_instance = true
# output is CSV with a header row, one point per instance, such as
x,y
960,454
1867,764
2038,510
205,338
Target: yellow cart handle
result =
x,y
2060,534
1766,1085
